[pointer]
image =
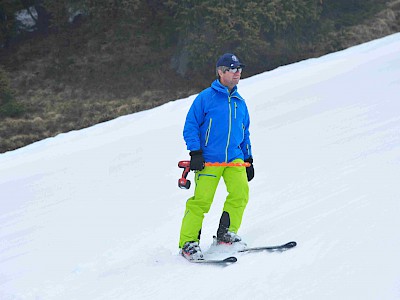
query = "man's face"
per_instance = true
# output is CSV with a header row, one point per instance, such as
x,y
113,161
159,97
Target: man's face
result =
x,y
230,77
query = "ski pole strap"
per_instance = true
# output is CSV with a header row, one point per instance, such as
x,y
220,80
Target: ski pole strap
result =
x,y
224,164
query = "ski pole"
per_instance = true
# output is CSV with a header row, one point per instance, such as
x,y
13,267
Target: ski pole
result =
x,y
184,183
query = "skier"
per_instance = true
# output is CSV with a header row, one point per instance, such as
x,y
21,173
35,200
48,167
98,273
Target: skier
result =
x,y
217,130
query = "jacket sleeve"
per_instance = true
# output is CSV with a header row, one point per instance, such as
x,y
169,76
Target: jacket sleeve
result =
x,y
194,119
246,145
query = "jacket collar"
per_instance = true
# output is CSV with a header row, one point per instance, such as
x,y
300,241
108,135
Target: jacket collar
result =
x,y
216,85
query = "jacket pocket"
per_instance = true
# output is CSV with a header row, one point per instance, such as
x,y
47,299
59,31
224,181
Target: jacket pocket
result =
x,y
208,132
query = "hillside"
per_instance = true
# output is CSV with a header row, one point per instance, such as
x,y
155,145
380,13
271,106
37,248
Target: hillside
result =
x,y
74,78
95,213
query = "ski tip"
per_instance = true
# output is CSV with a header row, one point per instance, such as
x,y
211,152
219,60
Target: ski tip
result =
x,y
231,259
225,261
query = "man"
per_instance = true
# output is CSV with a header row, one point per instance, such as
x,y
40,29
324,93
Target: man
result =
x,y
217,130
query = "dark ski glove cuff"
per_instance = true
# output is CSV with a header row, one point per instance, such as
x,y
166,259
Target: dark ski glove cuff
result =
x,y
197,160
250,170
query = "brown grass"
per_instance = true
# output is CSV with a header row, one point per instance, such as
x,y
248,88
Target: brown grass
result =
x,y
56,100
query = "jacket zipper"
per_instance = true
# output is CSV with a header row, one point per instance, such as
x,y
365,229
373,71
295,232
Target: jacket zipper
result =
x,y
229,131
235,108
208,132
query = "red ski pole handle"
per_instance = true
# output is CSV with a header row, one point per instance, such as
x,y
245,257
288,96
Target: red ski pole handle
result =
x,y
184,183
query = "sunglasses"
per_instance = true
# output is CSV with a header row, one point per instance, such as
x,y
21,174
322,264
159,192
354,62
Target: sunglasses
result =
x,y
234,70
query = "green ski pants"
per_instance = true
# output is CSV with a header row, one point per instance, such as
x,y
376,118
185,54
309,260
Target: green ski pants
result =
x,y
207,180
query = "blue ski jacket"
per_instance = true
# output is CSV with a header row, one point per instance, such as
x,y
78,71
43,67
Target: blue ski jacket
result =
x,y
218,123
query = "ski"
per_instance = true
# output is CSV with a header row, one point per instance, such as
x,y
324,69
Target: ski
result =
x,y
233,259
277,248
225,261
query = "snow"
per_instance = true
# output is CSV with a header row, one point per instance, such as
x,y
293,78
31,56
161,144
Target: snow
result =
x,y
96,213
27,19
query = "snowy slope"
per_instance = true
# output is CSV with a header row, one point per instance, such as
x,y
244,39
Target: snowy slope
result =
x,y
95,213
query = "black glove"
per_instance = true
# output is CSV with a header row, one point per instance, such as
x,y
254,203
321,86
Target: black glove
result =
x,y
250,170
197,160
